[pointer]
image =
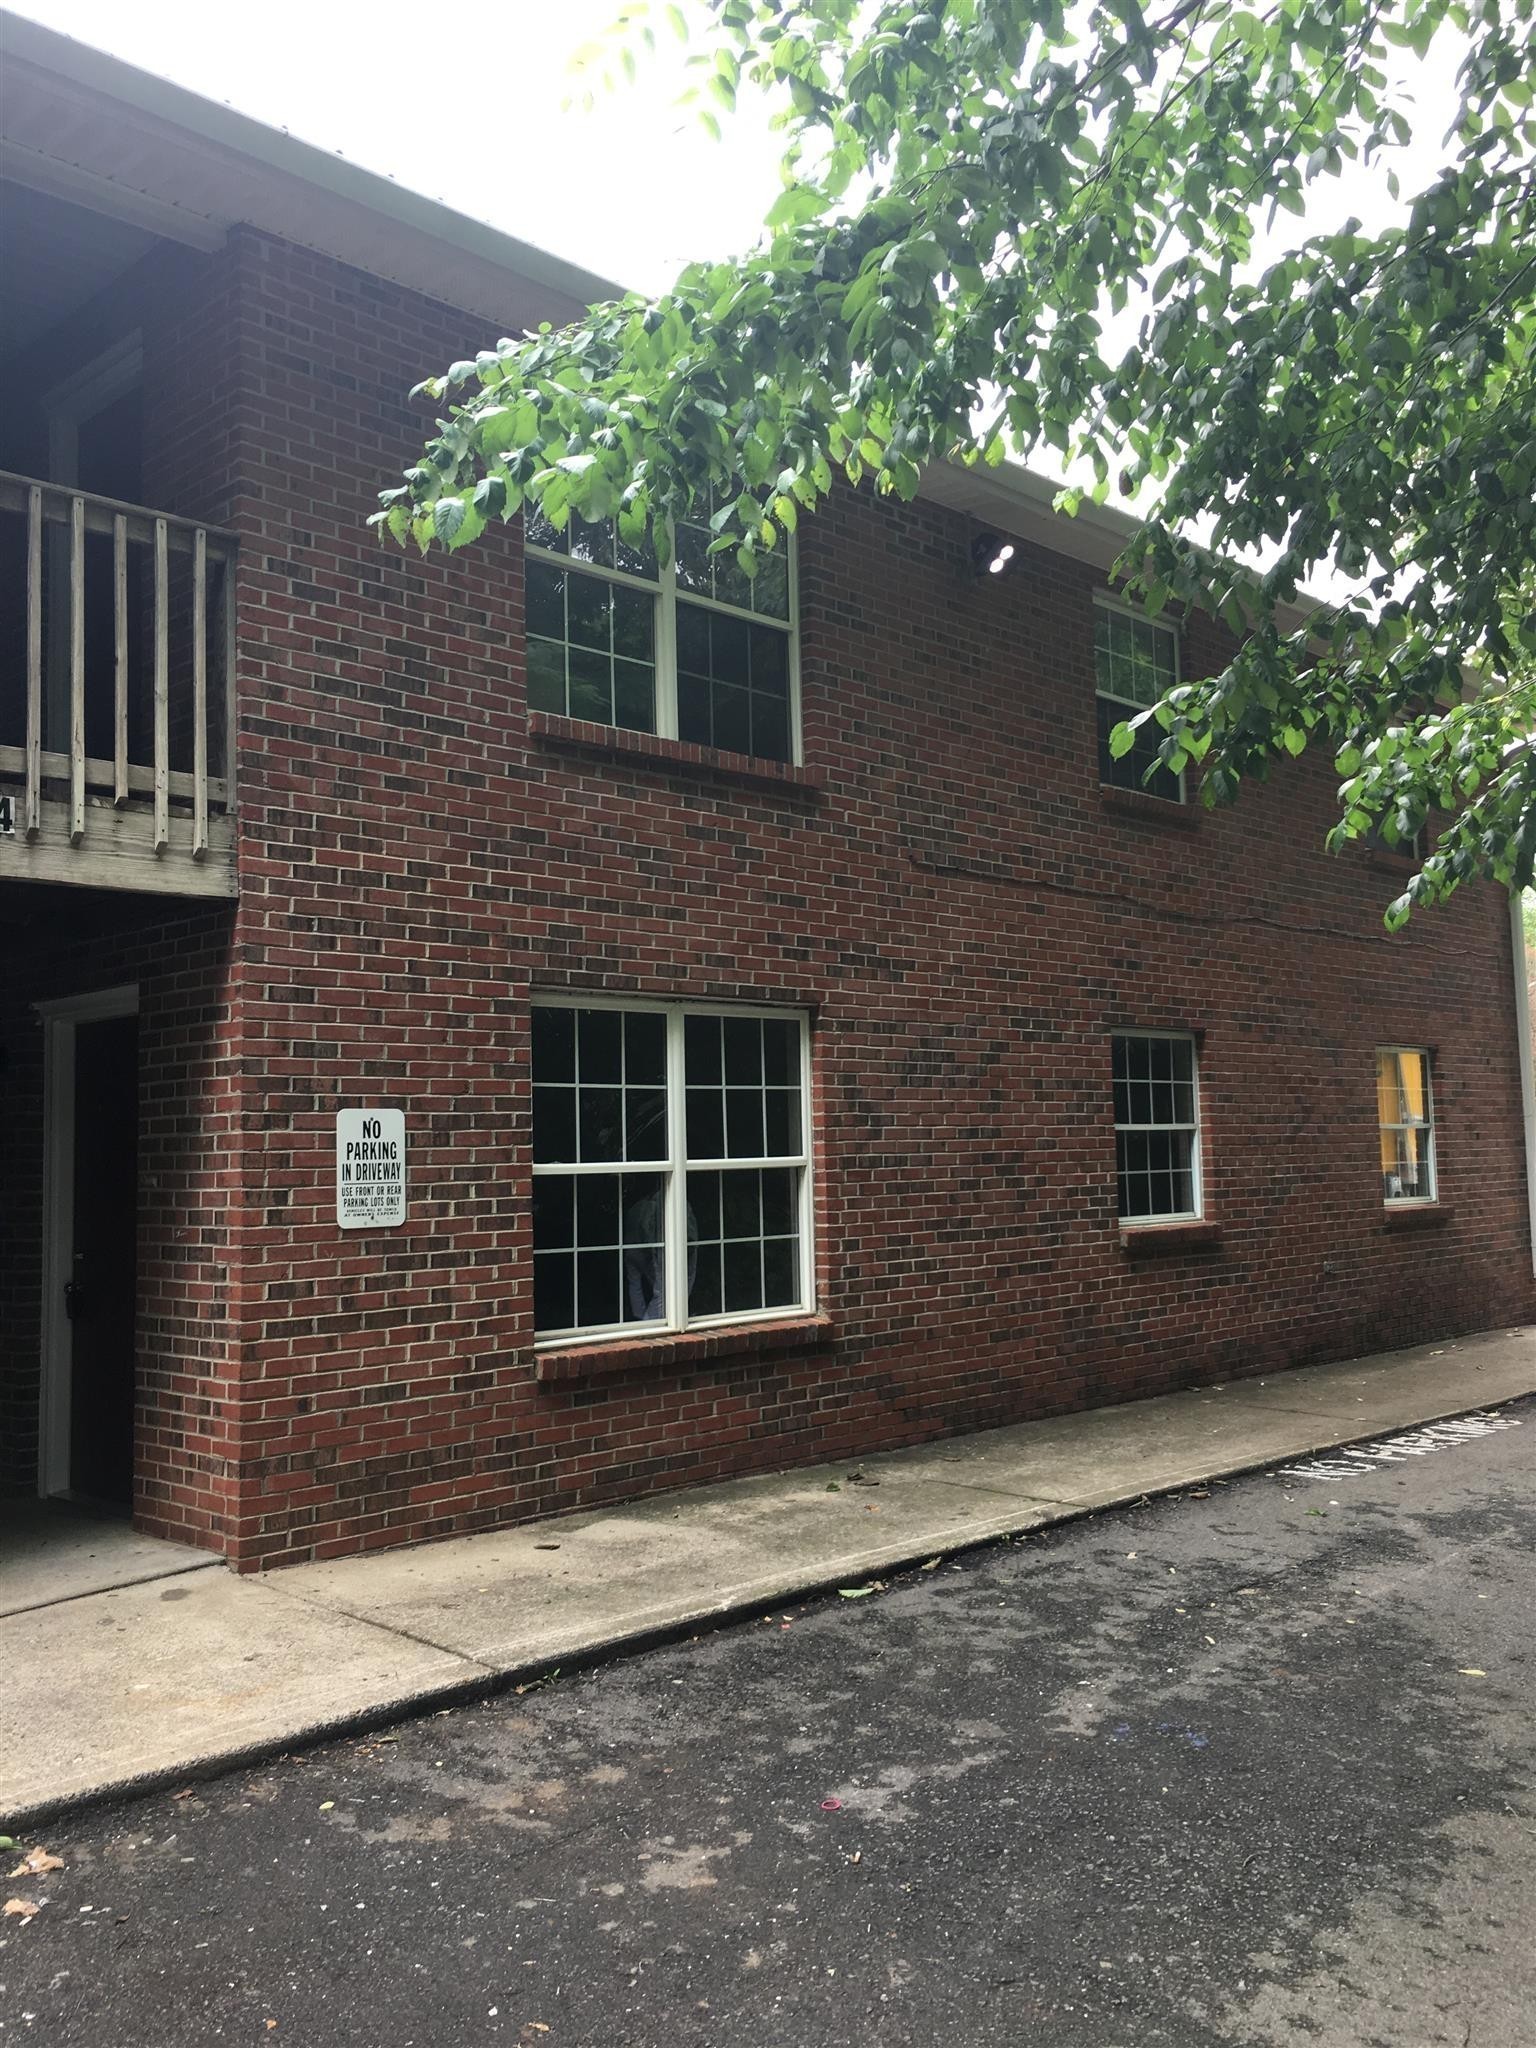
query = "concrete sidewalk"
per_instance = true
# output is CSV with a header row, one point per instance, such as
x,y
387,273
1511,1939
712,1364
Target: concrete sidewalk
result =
x,y
163,1679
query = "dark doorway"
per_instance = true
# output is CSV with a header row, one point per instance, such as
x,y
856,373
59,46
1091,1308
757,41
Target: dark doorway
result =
x,y
100,1293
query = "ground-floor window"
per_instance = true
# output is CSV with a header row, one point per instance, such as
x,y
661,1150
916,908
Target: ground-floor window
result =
x,y
671,1166
1157,1127
1405,1114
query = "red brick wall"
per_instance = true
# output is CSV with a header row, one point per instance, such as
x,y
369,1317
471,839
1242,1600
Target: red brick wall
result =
x,y
944,889
964,916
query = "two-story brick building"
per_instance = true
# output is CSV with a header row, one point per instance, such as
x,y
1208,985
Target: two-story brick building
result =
x,y
800,1037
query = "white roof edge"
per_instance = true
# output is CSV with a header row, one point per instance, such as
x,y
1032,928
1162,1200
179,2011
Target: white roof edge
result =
x,y
1021,502
211,121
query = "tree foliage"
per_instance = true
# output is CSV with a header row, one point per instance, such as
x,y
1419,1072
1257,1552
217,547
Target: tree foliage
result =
x,y
1010,227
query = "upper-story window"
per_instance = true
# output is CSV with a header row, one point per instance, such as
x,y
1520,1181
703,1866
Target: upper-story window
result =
x,y
697,651
1405,1114
1136,661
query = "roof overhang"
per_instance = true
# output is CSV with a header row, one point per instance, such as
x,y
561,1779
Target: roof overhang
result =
x,y
87,127
1019,502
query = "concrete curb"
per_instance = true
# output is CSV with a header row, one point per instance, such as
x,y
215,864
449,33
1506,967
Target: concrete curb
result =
x,y
749,1601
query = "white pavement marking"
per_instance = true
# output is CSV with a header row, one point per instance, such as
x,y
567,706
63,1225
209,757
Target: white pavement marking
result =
x,y
1395,1450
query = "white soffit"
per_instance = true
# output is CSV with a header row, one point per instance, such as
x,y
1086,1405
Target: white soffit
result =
x,y
1017,502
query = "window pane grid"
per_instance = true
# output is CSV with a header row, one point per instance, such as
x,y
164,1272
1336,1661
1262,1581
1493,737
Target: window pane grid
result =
x,y
599,545
718,575
715,668
591,648
728,1226
748,1244
732,682
1157,1127
1136,662
1406,1124
607,1104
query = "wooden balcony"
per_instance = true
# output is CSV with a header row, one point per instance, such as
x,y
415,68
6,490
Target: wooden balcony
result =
x,y
117,673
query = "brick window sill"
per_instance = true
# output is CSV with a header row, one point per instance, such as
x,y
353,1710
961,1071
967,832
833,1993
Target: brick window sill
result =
x,y
1147,1240
614,742
1416,1215
689,1347
1153,810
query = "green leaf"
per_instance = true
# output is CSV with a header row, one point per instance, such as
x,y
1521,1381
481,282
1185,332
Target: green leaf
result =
x,y
448,516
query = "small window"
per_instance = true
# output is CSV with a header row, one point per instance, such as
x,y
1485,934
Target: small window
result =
x,y
1409,845
1136,661
1157,1128
696,652
670,1168
1406,1115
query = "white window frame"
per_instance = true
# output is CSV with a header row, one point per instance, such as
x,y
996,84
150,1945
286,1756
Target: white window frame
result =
x,y
667,593
673,1171
1431,1151
1196,1131
1105,600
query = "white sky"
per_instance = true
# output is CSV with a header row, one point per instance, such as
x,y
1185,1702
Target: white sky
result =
x,y
476,115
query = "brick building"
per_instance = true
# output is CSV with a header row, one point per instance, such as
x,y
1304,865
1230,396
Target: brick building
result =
x,y
798,1041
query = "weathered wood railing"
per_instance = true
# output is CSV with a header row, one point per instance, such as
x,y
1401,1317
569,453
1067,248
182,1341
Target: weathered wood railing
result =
x,y
124,626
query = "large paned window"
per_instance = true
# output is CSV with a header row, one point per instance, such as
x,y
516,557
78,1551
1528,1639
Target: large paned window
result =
x,y
697,651
1405,1114
671,1168
1136,661
1157,1128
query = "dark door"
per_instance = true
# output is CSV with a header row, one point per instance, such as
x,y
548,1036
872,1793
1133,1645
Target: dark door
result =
x,y
100,1297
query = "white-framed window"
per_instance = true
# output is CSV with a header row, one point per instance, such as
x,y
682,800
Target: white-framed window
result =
x,y
1157,1126
1405,1114
697,651
671,1166
1135,661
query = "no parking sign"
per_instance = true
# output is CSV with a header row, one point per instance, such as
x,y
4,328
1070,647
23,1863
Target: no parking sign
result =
x,y
370,1168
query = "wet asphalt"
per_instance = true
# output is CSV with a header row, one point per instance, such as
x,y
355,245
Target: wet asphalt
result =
x,y
1250,1765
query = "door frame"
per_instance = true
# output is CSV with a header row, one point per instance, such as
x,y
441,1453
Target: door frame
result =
x,y
88,389
59,1018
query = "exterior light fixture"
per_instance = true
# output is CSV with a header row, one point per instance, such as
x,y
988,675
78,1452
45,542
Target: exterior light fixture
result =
x,y
990,554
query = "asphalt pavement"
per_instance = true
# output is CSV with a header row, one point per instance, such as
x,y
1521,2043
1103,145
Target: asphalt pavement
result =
x,y
1252,1765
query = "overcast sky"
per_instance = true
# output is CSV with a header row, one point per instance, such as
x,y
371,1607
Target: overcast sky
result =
x,y
632,189
476,115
